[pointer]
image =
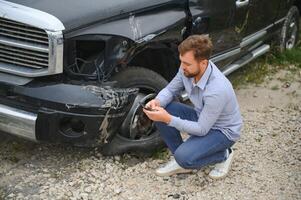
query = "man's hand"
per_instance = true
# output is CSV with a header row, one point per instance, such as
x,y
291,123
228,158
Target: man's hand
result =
x,y
153,103
158,115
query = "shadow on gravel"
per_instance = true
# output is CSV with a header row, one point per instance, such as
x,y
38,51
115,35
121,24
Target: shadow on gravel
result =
x,y
15,151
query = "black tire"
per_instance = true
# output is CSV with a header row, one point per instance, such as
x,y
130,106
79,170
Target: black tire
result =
x,y
147,81
290,30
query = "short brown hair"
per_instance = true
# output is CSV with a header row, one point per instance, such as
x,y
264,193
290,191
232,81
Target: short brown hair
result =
x,y
200,44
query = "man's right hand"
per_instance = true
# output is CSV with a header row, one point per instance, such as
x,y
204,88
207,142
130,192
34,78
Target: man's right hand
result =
x,y
153,103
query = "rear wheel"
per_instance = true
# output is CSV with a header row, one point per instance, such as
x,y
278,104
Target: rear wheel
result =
x,y
137,133
290,30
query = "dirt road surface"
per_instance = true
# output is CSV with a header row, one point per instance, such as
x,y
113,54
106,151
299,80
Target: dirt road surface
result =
x,y
267,159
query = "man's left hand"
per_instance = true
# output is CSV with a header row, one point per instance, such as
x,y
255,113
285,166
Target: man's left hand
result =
x,y
158,115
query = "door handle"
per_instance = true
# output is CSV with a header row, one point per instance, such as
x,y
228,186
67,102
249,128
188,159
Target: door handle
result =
x,y
241,3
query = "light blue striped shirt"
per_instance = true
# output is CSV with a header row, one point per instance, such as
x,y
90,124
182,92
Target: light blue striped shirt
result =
x,y
214,101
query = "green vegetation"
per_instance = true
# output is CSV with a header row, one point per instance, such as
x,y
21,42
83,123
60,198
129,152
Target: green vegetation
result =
x,y
290,57
275,87
161,154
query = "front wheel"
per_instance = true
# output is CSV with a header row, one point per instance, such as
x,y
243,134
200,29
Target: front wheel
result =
x,y
137,133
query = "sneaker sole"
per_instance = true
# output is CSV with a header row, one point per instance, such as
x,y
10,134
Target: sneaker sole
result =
x,y
179,171
223,176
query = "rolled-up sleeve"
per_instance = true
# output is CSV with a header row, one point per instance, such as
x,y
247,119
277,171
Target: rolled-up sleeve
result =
x,y
213,106
167,94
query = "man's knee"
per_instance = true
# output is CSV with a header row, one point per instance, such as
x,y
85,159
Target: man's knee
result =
x,y
183,158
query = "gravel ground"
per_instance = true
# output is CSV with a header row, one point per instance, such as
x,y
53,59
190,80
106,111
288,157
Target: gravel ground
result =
x,y
267,160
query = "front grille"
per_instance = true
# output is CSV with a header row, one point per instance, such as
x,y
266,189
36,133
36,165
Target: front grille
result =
x,y
23,57
23,32
23,46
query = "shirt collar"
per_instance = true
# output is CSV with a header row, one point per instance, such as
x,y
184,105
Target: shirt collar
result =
x,y
204,79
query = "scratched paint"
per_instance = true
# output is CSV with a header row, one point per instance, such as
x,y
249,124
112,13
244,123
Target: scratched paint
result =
x,y
113,98
135,27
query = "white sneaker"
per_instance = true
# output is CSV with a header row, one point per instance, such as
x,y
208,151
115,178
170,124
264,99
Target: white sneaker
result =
x,y
172,167
221,169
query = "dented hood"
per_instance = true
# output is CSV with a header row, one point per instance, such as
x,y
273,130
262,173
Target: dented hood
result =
x,y
80,13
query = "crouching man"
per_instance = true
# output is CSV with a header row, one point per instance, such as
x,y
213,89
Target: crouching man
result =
x,y
213,123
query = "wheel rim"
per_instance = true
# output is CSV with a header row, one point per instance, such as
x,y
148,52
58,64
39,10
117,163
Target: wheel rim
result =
x,y
136,125
291,35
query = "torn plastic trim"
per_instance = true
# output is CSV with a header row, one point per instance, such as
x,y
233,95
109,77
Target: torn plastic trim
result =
x,y
112,98
103,128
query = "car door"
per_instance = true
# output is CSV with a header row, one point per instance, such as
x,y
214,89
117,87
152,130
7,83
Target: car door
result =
x,y
261,14
224,21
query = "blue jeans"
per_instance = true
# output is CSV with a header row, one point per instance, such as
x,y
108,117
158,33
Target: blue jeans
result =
x,y
196,151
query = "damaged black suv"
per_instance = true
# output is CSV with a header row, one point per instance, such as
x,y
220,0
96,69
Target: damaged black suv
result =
x,y
74,71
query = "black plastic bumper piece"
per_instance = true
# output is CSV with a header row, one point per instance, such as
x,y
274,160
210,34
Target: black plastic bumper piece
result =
x,y
82,115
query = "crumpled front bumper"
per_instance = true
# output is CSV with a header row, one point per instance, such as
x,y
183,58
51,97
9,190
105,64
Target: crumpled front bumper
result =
x,y
83,115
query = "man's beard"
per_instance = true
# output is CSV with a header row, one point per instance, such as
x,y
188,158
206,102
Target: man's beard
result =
x,y
191,75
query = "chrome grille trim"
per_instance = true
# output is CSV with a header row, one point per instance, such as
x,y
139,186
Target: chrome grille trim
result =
x,y
31,41
10,24
22,31
22,71
23,45
27,32
23,51
21,61
13,53
11,35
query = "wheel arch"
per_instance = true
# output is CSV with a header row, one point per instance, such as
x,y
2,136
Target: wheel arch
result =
x,y
160,58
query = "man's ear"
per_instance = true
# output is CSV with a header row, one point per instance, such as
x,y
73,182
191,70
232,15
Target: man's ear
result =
x,y
203,63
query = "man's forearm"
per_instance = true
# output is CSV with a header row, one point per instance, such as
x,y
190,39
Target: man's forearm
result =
x,y
164,97
167,94
191,127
